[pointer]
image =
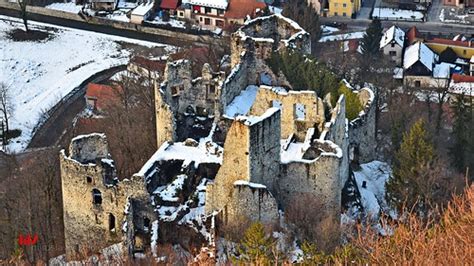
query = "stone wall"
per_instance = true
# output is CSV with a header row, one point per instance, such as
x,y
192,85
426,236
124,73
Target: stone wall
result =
x,y
251,153
336,130
93,207
253,202
87,148
318,176
310,107
264,149
241,76
165,120
362,130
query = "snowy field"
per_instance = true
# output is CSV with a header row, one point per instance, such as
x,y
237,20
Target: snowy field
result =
x,y
397,14
66,7
40,73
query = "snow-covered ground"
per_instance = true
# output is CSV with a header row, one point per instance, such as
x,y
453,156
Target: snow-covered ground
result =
x,y
371,179
453,16
39,74
343,37
70,7
397,14
172,22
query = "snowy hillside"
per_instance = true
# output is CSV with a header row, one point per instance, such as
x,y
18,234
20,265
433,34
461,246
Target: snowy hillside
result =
x,y
40,73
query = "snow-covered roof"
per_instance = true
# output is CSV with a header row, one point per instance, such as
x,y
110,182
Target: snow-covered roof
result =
x,y
205,152
419,52
221,4
442,70
472,59
142,9
242,103
466,88
394,33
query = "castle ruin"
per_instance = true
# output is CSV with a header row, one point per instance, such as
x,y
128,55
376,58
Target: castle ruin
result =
x,y
231,146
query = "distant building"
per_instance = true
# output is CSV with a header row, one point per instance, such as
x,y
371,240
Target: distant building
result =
x,y
316,5
461,84
413,35
344,8
464,49
212,14
99,97
170,6
141,13
471,66
458,3
421,68
105,5
392,43
147,68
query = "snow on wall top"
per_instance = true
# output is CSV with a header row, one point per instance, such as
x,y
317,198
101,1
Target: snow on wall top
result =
x,y
252,120
249,184
394,33
221,4
419,52
80,137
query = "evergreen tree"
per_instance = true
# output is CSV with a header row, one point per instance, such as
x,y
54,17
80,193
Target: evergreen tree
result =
x,y
413,159
256,247
306,16
371,41
353,104
463,146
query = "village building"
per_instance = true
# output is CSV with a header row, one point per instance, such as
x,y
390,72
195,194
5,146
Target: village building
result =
x,y
419,66
458,3
100,97
344,8
413,36
392,43
141,13
170,6
461,85
464,49
316,5
220,13
105,5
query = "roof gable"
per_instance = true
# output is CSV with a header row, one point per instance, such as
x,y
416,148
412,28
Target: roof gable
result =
x,y
394,33
419,52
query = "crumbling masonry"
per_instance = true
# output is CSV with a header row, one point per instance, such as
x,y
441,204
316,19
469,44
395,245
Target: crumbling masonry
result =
x,y
278,145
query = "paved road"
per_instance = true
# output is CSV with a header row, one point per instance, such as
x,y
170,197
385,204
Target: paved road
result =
x,y
432,27
435,9
63,114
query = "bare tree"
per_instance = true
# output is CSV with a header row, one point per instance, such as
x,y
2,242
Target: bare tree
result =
x,y
23,13
6,106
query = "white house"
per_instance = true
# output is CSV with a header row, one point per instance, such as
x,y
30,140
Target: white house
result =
x,y
141,13
392,43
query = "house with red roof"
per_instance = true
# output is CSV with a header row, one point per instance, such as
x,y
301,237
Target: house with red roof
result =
x,y
170,6
461,85
212,14
99,97
463,49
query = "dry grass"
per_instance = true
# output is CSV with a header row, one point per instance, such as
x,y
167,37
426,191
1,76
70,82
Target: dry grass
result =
x,y
448,241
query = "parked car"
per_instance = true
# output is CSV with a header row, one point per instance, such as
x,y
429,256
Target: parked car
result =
x,y
470,11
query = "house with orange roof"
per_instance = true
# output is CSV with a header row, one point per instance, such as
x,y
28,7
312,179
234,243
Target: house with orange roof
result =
x,y
99,97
